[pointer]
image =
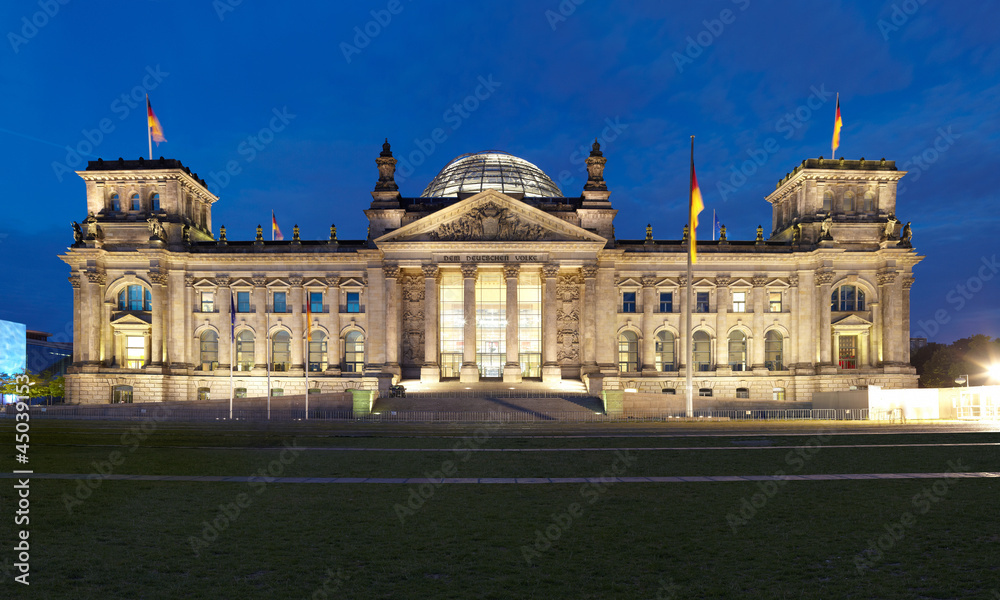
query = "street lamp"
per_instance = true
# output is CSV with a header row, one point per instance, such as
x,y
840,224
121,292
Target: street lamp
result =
x,y
962,380
994,372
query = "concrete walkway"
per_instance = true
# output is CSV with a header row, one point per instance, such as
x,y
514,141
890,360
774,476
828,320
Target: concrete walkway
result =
x,y
504,480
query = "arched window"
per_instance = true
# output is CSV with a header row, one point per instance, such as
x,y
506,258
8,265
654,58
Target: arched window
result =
x,y
244,351
354,352
773,343
281,351
134,203
738,351
701,351
827,201
847,298
848,202
778,394
665,351
705,392
317,352
121,394
155,201
116,203
628,352
869,205
135,297
209,350
742,392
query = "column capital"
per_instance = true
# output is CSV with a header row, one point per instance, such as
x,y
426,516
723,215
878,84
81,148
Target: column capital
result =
x,y
550,270
793,280
723,281
332,280
759,280
96,277
511,271
295,280
390,271
824,276
886,276
189,281
907,281
648,281
682,281
74,280
589,271
469,270
430,271
158,277
222,281
259,280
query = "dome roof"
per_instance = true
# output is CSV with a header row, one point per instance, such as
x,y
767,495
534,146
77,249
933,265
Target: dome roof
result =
x,y
491,170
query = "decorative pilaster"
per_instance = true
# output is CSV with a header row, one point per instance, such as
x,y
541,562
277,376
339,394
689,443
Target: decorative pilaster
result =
x,y
551,372
647,356
159,281
431,370
469,372
824,277
588,326
890,293
685,329
74,282
722,301
223,305
512,369
298,323
392,297
260,318
757,343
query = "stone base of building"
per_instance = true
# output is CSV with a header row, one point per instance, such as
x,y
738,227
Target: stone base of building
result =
x,y
469,373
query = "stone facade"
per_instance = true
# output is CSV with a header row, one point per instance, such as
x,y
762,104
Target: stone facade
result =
x,y
541,288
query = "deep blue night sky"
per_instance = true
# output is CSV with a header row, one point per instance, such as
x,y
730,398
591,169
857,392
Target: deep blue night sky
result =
x,y
918,82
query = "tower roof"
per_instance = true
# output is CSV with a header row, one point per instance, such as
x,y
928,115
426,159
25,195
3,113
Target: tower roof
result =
x,y
495,170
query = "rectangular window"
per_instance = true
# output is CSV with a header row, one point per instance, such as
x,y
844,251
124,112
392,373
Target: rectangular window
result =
x,y
353,302
628,302
452,323
739,301
243,302
207,302
848,352
135,351
774,302
666,302
280,302
701,302
316,302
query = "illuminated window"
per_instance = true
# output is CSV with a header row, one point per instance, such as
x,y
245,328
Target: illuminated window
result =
x,y
280,302
827,201
738,351
243,302
135,351
628,302
869,205
353,302
209,350
240,392
666,302
664,351
452,324
774,302
491,323
529,326
847,298
354,354
281,351
701,302
628,352
739,302
207,302
848,352
317,352
116,203
244,351
701,351
848,202
155,200
773,349
778,394
121,394
277,392
134,203
135,297
204,393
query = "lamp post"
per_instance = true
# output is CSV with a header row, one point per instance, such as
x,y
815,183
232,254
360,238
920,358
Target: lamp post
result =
x,y
962,380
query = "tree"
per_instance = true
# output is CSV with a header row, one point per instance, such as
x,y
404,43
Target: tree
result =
x,y
939,365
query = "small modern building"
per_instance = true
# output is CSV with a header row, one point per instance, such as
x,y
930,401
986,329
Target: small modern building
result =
x,y
492,273
48,355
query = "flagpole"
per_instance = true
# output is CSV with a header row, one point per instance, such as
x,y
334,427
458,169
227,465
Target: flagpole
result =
x,y
713,224
307,376
689,351
232,349
149,131
272,225
267,352
833,146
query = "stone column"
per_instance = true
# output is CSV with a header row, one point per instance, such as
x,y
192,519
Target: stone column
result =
x,y
588,324
430,371
757,343
260,320
376,309
825,334
177,331
90,303
890,292
605,329
227,346
333,341
157,292
807,335
297,325
790,348
721,325
74,282
469,372
685,329
392,302
647,357
551,372
512,368
906,284
107,347
187,351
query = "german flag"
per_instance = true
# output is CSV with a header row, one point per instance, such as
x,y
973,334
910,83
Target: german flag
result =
x,y
837,124
696,207
275,232
155,130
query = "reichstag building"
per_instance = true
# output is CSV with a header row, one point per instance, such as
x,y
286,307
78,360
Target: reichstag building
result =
x,y
491,274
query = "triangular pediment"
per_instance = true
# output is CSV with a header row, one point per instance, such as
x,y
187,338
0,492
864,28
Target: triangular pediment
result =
x,y
129,318
852,321
490,216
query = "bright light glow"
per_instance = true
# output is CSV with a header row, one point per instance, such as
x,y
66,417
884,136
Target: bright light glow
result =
x,y
994,371
631,390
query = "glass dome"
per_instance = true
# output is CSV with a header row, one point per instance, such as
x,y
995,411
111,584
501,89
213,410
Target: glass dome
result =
x,y
491,170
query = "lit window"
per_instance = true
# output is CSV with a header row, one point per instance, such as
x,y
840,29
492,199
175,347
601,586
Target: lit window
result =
x,y
742,392
353,302
316,302
827,201
277,392
664,351
204,393
848,352
281,351
116,203
702,351
243,302
134,203
317,352
280,300
701,302
156,202
869,205
121,394
778,394
773,349
628,351
739,301
738,351
628,302
666,302
240,392
848,203
847,298
354,357
135,351
244,351
135,297
209,350
774,302
207,302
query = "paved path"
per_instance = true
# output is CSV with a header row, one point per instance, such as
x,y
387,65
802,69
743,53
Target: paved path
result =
x,y
505,480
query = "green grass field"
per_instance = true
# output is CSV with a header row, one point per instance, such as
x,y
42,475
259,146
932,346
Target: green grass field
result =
x,y
805,539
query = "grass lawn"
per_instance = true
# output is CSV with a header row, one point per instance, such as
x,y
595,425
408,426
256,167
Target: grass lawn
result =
x,y
687,540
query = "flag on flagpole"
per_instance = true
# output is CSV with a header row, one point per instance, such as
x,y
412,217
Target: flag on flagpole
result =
x,y
696,207
837,124
155,130
232,316
716,228
309,329
275,232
